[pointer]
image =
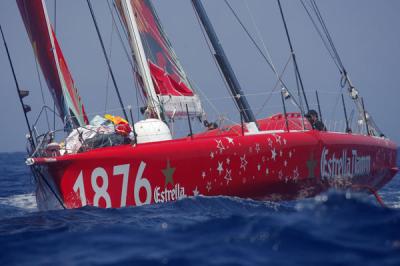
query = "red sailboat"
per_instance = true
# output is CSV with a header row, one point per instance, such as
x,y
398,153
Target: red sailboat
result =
x,y
111,164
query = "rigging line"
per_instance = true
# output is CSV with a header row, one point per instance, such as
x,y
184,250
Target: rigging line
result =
x,y
250,36
268,60
37,172
322,22
334,109
274,88
208,99
18,90
328,39
120,37
41,92
224,81
321,36
120,20
55,17
261,39
105,55
55,31
298,84
293,54
108,73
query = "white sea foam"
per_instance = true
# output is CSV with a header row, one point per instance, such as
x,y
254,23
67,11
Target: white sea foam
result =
x,y
23,201
392,199
396,204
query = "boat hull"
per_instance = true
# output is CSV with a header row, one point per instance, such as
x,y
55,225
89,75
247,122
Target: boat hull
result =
x,y
265,166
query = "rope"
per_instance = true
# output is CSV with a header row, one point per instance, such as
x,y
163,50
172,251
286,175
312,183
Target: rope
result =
x,y
268,60
107,60
37,172
42,93
320,35
324,27
109,55
299,80
55,31
251,37
274,88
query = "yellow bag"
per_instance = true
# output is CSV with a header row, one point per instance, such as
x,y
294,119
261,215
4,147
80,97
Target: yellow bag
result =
x,y
115,119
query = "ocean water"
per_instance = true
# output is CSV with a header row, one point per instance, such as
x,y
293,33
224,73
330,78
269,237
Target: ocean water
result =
x,y
336,228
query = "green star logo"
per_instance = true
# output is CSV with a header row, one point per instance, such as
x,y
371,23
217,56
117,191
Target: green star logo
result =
x,y
168,172
311,164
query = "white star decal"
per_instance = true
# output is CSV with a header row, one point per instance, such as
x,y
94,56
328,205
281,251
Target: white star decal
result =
x,y
284,141
203,174
243,162
259,167
285,163
278,139
267,171
220,146
280,174
228,176
273,152
230,140
195,192
270,142
296,174
208,187
220,168
257,148
228,161
290,154
212,155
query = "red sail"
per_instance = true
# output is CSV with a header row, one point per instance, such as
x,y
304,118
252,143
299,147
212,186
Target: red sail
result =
x,y
171,84
52,62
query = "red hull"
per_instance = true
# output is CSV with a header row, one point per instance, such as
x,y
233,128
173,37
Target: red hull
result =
x,y
273,166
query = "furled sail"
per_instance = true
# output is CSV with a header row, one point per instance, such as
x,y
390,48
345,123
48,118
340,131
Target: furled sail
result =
x,y
160,74
52,62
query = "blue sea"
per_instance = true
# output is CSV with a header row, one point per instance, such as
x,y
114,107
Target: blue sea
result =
x,y
336,228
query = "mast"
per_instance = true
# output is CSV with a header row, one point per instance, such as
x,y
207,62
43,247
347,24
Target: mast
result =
x,y
224,64
141,59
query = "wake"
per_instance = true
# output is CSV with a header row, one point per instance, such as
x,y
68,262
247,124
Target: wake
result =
x,y
23,201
